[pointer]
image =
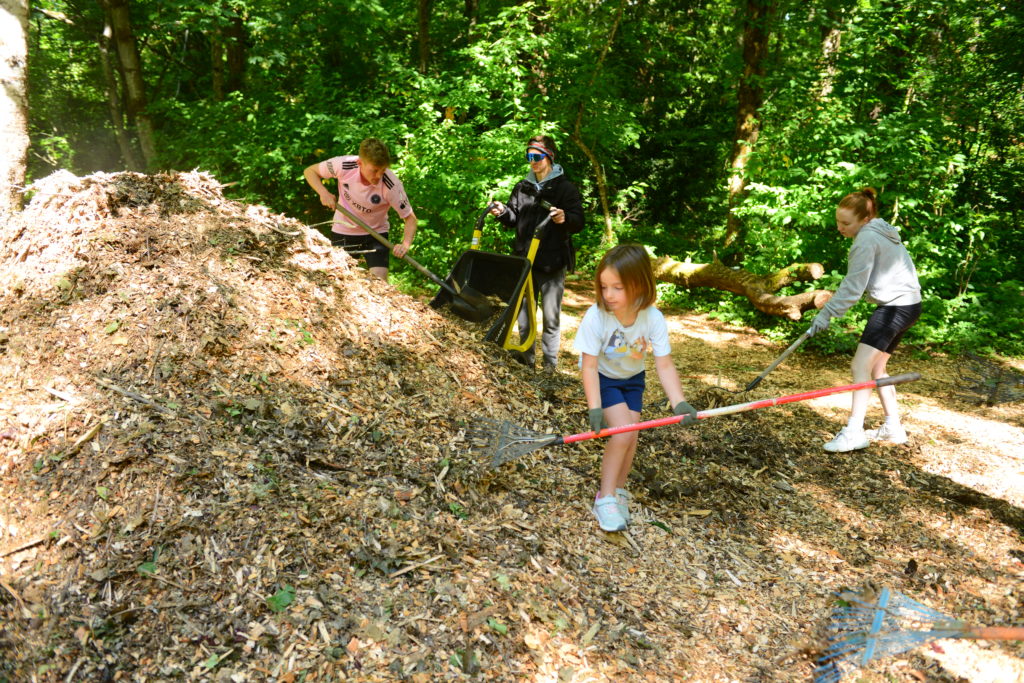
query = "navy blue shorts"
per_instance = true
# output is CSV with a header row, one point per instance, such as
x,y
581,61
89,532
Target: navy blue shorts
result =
x,y
629,391
888,324
375,253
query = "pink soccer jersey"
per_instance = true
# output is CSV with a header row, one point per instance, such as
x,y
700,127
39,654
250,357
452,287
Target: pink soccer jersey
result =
x,y
369,202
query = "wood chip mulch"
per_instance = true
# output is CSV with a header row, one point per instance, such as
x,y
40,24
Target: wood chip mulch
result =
x,y
228,454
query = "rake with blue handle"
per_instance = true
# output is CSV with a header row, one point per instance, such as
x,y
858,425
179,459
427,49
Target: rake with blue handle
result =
x,y
865,630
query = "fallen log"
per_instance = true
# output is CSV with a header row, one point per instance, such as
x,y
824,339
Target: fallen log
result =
x,y
759,289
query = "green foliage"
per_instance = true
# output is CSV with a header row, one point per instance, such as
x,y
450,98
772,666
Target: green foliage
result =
x,y
922,102
279,601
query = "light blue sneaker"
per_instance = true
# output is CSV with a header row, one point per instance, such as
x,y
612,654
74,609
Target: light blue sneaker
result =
x,y
624,498
608,516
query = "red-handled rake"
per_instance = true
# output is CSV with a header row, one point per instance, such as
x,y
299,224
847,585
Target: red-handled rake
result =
x,y
864,630
504,441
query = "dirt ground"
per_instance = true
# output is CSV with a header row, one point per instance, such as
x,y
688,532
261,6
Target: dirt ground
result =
x,y
227,454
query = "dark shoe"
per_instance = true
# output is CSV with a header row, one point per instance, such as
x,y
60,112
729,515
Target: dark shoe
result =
x,y
520,357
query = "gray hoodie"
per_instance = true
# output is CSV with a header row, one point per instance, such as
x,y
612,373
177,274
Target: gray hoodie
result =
x,y
879,266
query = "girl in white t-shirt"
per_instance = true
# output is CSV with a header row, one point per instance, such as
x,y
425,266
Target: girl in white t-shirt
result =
x,y
613,340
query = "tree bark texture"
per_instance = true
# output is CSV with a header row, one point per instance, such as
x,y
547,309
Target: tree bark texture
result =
x,y
234,46
118,13
758,289
14,140
750,97
217,65
423,42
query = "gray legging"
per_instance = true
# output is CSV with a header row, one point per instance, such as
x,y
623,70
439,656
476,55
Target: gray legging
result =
x,y
550,287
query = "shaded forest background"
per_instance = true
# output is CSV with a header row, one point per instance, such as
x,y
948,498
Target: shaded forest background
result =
x,y
717,129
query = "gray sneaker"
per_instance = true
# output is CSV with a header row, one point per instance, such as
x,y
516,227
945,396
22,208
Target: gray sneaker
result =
x,y
888,433
608,516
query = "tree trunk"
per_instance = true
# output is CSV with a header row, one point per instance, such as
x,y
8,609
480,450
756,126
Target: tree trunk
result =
x,y
14,140
577,136
118,13
759,289
124,141
423,41
829,54
217,64
470,11
235,48
750,97
602,185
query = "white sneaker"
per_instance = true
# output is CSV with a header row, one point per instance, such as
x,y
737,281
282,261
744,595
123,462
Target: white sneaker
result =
x,y
623,498
888,433
608,516
847,440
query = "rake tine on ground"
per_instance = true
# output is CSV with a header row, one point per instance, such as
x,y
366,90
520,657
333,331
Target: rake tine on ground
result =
x,y
501,442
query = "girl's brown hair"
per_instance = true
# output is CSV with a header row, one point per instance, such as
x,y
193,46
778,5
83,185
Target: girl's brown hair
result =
x,y
633,265
863,203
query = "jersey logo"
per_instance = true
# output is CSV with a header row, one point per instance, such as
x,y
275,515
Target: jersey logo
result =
x,y
375,199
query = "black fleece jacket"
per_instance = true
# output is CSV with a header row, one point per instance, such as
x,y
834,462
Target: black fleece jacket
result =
x,y
524,213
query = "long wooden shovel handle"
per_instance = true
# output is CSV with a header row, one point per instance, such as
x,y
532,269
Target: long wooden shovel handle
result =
x,y
785,354
408,259
742,407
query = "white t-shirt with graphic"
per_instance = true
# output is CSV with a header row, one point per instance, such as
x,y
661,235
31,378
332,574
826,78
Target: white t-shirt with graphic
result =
x,y
369,202
621,350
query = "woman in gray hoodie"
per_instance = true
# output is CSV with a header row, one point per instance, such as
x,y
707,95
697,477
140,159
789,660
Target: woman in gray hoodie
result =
x,y
880,267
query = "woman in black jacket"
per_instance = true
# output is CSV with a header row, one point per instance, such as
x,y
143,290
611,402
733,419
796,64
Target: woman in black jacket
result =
x,y
556,255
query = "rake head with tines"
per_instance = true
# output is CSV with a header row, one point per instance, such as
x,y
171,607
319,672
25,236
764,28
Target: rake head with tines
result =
x,y
503,441
887,624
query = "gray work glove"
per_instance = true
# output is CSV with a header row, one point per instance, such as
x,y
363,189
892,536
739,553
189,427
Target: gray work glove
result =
x,y
684,408
819,324
596,417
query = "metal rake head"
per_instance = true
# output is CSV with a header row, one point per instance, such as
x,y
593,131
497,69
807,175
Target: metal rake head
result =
x,y
503,441
869,629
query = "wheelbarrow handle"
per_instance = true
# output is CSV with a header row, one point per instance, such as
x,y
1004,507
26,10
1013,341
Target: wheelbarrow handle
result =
x,y
408,259
478,227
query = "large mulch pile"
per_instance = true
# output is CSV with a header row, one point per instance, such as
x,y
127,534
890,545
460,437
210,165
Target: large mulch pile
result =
x,y
226,453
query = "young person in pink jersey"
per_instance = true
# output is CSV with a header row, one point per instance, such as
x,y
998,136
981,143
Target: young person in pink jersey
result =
x,y
367,187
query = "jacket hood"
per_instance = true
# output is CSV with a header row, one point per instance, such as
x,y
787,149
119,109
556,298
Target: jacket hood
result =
x,y
556,170
877,225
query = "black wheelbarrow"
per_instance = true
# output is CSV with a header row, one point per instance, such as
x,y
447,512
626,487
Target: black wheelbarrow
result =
x,y
504,276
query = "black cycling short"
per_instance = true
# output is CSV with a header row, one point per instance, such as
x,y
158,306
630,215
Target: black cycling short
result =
x,y
376,253
888,324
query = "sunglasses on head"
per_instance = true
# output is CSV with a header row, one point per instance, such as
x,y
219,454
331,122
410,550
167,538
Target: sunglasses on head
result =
x,y
535,156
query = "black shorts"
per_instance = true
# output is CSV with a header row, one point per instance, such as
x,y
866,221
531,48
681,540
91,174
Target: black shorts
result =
x,y
376,254
888,324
